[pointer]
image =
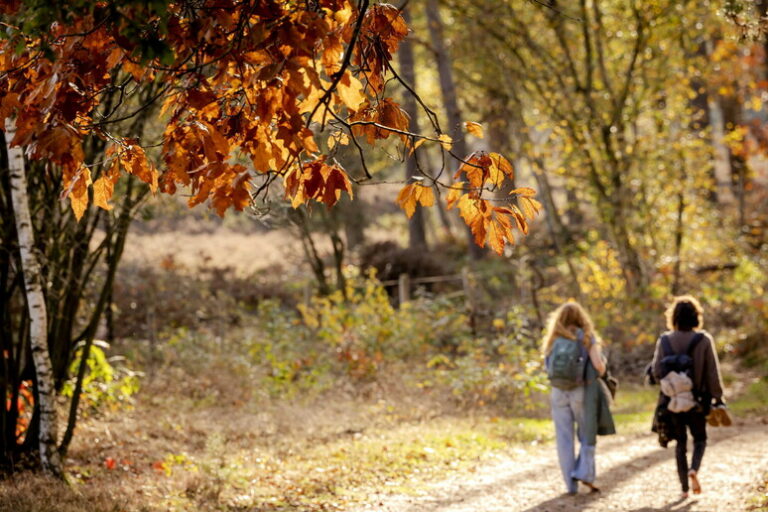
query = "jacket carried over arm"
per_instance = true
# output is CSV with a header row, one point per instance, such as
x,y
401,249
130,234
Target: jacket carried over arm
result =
x,y
598,420
706,366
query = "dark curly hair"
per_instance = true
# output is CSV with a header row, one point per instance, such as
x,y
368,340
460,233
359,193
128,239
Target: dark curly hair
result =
x,y
684,314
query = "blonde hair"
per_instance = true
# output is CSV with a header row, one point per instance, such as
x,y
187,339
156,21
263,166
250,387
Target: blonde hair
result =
x,y
564,321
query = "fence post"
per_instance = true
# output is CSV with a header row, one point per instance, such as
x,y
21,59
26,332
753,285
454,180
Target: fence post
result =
x,y
469,299
404,288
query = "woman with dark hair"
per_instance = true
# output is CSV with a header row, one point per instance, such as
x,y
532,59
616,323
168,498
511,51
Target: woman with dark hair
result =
x,y
685,336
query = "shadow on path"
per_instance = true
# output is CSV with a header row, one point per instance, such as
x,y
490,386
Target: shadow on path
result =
x,y
623,472
614,477
685,506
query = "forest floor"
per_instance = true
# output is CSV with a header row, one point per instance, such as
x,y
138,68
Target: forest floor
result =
x,y
184,448
634,474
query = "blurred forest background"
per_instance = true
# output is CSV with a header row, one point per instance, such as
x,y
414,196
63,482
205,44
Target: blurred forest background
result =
x,y
264,341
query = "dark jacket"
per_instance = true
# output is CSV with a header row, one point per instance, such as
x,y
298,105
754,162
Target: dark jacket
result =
x,y
598,420
706,367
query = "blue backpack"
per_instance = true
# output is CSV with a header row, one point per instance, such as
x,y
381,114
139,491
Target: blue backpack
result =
x,y
567,363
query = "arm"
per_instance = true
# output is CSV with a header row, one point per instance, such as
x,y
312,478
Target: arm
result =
x,y
596,356
656,363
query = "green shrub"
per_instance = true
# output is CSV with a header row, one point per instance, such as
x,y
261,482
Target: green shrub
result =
x,y
108,382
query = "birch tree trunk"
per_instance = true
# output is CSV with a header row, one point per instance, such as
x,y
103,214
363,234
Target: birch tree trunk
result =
x,y
49,455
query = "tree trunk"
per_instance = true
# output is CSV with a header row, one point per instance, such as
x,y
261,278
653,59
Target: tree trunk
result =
x,y
722,163
557,231
49,455
732,116
678,243
448,89
417,237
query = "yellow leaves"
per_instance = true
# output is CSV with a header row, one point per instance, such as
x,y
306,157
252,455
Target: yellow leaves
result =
x,y
523,191
446,141
530,206
350,91
77,191
333,49
475,129
415,193
103,189
337,137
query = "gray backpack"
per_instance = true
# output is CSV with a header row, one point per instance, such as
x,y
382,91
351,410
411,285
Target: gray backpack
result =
x,y
567,363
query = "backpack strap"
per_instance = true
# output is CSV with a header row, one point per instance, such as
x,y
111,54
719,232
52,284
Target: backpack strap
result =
x,y
694,341
666,346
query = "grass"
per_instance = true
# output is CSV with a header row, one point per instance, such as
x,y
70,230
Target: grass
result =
x,y
180,449
754,400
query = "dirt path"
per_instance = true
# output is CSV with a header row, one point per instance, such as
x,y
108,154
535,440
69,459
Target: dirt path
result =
x,y
635,475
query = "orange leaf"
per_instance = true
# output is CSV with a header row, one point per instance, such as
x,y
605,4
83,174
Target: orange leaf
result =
x,y
415,193
530,206
426,196
499,230
78,192
523,191
454,195
475,129
350,91
407,199
103,189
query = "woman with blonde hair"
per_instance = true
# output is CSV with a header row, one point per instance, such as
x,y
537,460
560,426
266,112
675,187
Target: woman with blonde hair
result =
x,y
574,361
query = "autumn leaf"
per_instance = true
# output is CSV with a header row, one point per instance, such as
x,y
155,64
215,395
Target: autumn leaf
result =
x,y
523,191
499,230
385,114
78,192
415,193
350,91
103,188
475,129
530,206
445,141
316,180
453,195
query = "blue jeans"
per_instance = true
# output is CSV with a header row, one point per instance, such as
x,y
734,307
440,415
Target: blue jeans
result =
x,y
567,408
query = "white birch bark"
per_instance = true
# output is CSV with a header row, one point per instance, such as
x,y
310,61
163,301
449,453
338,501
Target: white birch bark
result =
x,y
49,455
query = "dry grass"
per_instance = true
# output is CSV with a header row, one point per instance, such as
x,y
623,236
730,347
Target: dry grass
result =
x,y
35,493
179,450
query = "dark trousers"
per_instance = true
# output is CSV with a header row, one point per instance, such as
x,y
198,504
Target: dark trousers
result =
x,y
696,422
